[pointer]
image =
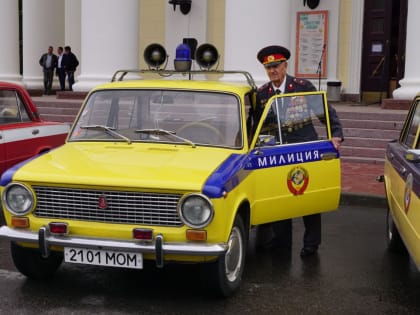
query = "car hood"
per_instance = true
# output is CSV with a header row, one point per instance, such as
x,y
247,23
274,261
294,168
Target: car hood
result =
x,y
160,167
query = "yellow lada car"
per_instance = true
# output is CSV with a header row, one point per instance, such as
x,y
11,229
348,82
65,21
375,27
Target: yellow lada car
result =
x,y
164,169
402,183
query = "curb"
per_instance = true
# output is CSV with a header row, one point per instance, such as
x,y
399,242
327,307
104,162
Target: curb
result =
x,y
364,200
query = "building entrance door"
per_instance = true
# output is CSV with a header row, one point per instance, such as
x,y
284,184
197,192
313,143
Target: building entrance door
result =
x,y
383,50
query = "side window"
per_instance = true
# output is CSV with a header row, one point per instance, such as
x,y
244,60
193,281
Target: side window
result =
x,y
294,119
11,108
249,100
22,109
248,103
410,132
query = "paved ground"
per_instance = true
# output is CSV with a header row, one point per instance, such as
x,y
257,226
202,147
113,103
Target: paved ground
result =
x,y
358,180
361,178
352,274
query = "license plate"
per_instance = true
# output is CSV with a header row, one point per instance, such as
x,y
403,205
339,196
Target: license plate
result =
x,y
103,258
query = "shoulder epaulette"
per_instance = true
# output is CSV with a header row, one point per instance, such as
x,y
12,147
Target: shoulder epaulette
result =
x,y
264,86
300,81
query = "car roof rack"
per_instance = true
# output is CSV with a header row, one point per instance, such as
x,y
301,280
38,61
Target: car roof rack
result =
x,y
120,74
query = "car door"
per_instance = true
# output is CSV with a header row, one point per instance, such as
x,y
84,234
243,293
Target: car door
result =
x,y
402,169
17,131
295,167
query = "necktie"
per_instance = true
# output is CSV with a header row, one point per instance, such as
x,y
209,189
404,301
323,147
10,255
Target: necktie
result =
x,y
278,91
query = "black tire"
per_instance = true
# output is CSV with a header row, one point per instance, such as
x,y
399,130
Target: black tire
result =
x,y
225,275
30,263
395,242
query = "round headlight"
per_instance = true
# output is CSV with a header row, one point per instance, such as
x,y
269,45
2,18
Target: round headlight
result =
x,y
196,211
18,199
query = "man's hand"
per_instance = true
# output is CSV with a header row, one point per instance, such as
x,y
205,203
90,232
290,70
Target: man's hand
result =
x,y
336,142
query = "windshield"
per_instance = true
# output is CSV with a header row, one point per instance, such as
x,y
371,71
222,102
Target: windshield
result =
x,y
181,117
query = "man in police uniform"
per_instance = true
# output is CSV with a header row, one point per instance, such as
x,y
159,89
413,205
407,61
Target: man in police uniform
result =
x,y
274,59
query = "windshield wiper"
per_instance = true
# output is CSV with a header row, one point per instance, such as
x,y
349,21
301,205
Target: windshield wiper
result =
x,y
164,132
109,130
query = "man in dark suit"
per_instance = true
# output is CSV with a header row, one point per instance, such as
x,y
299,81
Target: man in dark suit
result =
x,y
61,73
70,63
274,59
48,62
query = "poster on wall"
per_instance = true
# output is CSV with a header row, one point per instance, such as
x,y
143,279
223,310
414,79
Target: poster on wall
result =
x,y
311,44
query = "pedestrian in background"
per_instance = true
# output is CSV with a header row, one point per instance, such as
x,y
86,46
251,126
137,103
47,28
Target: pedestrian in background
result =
x,y
70,65
61,73
48,62
274,60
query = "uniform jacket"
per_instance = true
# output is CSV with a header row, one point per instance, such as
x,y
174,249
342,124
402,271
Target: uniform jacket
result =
x,y
306,133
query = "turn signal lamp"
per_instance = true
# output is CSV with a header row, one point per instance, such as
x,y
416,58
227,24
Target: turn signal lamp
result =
x,y
182,60
196,235
20,222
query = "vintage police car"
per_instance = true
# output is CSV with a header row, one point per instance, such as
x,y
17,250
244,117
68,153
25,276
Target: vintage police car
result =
x,y
23,133
164,170
402,184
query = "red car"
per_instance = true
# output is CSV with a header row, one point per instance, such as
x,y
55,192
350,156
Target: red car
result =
x,y
23,133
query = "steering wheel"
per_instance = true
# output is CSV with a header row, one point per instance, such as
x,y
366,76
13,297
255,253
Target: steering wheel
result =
x,y
201,132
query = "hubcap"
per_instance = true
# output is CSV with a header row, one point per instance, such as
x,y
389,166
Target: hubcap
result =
x,y
233,257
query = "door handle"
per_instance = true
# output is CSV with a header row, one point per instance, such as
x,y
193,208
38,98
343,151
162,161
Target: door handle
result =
x,y
328,156
403,170
35,131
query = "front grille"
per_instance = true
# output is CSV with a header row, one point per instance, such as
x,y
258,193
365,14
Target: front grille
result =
x,y
120,206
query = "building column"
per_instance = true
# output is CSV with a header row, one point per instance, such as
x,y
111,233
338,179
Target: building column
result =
x,y
355,48
42,26
251,28
73,28
110,41
9,44
411,81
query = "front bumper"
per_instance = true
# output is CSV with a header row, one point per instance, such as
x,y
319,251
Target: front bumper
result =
x,y
158,247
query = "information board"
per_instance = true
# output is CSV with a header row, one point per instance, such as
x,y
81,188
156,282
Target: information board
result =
x,y
311,44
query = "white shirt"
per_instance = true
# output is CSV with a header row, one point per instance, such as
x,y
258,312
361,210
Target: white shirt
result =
x,y
60,57
282,86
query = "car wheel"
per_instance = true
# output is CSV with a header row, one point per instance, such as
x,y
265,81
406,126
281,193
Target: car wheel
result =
x,y
30,263
395,243
225,274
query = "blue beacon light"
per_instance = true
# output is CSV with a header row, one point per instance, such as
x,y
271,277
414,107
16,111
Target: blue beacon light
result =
x,y
182,60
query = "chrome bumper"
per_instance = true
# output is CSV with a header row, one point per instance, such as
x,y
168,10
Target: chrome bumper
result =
x,y
44,240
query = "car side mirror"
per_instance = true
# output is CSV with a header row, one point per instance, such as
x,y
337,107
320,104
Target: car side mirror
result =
x,y
413,156
266,140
